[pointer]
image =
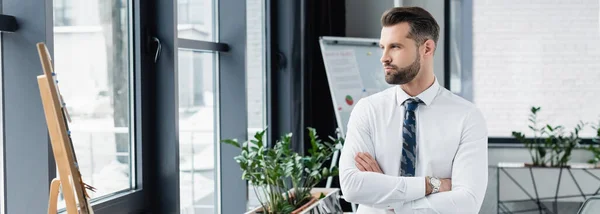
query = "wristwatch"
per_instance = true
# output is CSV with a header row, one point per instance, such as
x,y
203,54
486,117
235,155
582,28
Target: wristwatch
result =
x,y
435,184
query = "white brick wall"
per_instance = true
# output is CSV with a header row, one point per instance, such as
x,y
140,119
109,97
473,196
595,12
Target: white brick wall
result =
x,y
536,53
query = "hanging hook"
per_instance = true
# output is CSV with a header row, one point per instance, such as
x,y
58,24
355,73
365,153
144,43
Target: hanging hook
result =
x,y
8,23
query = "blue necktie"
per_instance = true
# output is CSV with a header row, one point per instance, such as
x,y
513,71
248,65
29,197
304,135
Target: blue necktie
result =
x,y
409,145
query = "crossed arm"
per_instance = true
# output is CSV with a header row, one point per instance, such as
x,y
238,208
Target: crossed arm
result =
x,y
373,188
366,163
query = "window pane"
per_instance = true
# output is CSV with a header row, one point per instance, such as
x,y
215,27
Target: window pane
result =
x,y
197,131
255,74
91,55
196,19
455,46
537,53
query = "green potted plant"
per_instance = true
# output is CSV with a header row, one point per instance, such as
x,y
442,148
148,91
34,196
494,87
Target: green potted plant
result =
x,y
595,146
562,145
549,145
537,145
284,180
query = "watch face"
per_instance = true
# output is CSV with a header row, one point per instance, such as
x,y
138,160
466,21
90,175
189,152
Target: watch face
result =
x,y
436,182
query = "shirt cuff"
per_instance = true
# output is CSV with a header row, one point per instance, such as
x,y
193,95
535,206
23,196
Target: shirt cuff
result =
x,y
415,188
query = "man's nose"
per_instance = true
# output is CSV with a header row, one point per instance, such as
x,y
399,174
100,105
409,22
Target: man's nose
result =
x,y
385,58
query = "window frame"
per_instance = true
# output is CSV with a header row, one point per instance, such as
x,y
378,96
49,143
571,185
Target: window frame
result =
x,y
154,99
230,86
466,50
26,141
231,81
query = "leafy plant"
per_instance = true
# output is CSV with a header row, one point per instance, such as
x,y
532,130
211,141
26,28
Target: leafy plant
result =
x,y
281,177
549,144
595,146
562,146
552,142
536,145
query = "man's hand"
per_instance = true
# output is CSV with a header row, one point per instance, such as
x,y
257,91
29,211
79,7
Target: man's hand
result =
x,y
446,185
364,162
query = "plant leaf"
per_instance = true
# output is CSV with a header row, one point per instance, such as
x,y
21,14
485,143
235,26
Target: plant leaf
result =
x,y
232,142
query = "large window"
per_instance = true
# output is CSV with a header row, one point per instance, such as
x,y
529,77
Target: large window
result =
x,y
533,53
255,76
150,86
198,98
211,100
195,20
63,12
92,62
197,131
456,56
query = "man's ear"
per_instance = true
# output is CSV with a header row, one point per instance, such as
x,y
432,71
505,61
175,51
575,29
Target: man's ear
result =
x,y
429,47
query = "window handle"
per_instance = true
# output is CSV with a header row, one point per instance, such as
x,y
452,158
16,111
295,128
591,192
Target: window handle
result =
x,y
158,48
8,23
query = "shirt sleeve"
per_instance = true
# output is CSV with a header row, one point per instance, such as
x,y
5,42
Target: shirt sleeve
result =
x,y
369,188
469,172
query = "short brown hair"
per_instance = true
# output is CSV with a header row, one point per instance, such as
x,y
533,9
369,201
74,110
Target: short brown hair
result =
x,y
422,25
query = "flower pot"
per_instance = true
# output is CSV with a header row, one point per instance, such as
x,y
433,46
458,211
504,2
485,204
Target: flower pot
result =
x,y
545,166
329,204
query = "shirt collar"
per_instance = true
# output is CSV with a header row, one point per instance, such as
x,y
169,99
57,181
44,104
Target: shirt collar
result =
x,y
426,96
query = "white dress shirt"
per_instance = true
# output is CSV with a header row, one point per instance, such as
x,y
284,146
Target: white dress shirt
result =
x,y
451,143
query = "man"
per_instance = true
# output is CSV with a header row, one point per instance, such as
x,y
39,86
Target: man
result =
x,y
415,147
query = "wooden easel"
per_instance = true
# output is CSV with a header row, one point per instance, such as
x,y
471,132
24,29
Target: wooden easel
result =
x,y
73,188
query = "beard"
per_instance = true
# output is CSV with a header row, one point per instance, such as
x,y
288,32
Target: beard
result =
x,y
399,76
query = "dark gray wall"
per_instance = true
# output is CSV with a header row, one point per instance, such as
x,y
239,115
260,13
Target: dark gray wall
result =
x,y
362,17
